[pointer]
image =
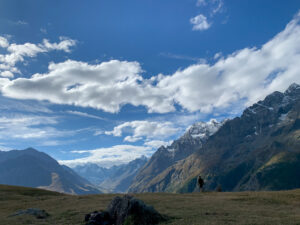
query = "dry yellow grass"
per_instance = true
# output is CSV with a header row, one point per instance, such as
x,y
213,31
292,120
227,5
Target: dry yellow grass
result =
x,y
185,209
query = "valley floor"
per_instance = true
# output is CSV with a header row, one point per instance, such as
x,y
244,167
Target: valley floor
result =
x,y
272,208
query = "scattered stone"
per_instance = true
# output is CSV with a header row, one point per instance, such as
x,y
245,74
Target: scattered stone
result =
x,y
38,213
125,210
98,218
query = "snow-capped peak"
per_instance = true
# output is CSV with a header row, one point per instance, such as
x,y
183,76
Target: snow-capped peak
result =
x,y
292,88
204,129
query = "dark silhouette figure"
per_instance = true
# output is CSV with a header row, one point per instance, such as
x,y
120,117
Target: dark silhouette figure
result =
x,y
200,183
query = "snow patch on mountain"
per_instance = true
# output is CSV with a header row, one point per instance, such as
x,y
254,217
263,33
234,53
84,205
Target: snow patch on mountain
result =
x,y
204,129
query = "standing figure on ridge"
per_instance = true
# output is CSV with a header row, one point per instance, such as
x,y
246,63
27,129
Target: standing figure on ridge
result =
x,y
200,183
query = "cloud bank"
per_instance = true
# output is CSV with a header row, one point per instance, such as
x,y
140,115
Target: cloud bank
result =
x,y
242,77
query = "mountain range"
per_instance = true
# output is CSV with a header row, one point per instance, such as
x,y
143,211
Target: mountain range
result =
x,y
260,150
115,179
31,168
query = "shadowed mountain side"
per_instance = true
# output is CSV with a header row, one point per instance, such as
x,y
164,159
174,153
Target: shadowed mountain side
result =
x,y
258,151
31,168
166,157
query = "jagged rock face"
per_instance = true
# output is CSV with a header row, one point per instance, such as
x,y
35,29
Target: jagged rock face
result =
x,y
165,157
202,130
258,151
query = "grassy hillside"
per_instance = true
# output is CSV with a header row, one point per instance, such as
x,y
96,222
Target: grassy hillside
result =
x,y
198,208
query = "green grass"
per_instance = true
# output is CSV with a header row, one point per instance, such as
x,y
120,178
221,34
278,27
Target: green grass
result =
x,y
272,208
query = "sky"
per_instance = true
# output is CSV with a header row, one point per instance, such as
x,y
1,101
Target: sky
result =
x,y
107,81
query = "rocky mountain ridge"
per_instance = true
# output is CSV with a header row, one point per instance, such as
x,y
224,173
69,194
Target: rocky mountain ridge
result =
x,y
195,136
260,150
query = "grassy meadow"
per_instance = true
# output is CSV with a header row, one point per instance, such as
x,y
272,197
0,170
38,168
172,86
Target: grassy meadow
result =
x,y
272,208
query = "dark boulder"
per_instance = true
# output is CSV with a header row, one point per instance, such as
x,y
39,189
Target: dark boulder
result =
x,y
125,210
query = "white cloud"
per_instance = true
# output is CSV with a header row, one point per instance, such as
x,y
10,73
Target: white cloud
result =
x,y
6,74
105,86
200,22
212,7
110,156
218,55
29,127
157,143
18,52
245,76
4,148
144,129
64,45
85,115
3,42
183,57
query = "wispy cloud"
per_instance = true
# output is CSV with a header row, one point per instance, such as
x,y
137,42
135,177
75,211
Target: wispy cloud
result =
x,y
203,21
16,53
183,57
201,3
200,22
83,114
107,157
39,130
44,30
144,129
21,106
19,22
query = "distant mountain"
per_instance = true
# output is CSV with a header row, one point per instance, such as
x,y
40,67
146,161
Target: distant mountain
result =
x,y
116,179
260,150
31,168
166,157
93,173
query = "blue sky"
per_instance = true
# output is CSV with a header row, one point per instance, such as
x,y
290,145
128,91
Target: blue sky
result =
x,y
107,81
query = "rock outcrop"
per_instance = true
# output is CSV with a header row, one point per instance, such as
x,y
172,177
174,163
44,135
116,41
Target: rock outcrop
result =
x,y
125,210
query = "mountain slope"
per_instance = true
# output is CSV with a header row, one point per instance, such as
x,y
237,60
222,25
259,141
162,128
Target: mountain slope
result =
x,y
31,168
166,157
258,151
